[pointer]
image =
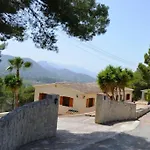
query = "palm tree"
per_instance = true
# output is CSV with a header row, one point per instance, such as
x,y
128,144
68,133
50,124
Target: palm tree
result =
x,y
13,83
16,64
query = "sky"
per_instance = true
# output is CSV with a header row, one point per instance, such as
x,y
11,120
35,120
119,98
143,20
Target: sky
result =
x,y
125,43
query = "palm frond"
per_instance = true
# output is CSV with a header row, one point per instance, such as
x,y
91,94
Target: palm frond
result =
x,y
9,68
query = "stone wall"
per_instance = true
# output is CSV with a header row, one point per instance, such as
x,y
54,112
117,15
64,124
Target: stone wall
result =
x,y
110,111
31,122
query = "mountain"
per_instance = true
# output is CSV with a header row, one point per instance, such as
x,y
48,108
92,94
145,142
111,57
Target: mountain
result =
x,y
67,66
66,74
45,73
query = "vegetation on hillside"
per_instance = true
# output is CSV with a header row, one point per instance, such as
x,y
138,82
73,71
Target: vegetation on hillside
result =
x,y
14,82
11,86
7,95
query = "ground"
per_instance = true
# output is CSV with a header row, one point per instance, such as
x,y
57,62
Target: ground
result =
x,y
138,139
79,132
141,104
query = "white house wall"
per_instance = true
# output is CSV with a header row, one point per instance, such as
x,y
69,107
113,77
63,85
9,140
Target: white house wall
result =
x,y
79,103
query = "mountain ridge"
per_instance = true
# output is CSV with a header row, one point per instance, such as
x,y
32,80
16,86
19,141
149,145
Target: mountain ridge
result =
x,y
47,74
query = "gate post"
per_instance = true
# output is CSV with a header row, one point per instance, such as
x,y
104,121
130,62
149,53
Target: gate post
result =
x,y
99,110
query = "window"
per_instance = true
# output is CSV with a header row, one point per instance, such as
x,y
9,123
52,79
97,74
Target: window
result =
x,y
128,97
42,96
66,101
90,102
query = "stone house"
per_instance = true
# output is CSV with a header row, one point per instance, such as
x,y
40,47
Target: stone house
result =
x,y
78,97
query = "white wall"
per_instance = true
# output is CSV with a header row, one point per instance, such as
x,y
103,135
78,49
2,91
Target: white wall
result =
x,y
79,103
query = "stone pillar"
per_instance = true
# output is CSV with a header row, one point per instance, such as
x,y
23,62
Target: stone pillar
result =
x,y
143,95
98,110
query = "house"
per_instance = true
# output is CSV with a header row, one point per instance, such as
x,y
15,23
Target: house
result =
x,y
73,96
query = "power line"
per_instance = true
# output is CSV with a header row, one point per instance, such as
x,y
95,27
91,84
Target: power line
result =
x,y
99,51
94,54
112,56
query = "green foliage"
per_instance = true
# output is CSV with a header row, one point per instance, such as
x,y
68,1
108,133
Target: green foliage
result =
x,y
137,84
141,78
3,46
114,79
107,80
144,68
78,18
12,82
148,95
26,95
16,64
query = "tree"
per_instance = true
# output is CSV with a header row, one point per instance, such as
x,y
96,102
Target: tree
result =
x,y
13,83
78,18
138,84
114,80
107,80
16,64
141,78
126,76
144,68
2,97
26,95
148,96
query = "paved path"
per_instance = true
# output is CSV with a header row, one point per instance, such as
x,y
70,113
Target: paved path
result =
x,y
76,133
138,139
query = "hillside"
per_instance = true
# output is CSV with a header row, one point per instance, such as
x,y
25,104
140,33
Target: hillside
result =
x,y
45,74
66,74
70,67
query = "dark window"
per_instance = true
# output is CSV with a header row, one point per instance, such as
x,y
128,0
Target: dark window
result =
x,y
66,101
128,97
42,96
90,102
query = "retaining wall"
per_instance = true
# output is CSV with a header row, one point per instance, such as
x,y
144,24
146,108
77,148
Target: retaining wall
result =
x,y
31,122
109,110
